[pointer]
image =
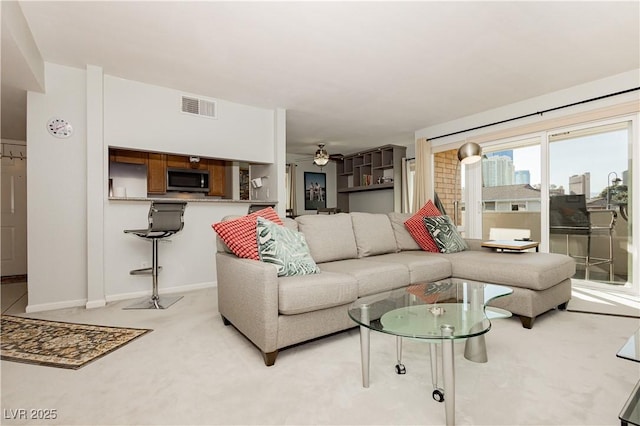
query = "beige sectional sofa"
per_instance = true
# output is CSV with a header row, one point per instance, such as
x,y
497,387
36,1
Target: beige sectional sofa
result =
x,y
360,254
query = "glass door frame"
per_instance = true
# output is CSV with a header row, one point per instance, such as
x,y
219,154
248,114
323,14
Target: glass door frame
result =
x,y
474,174
473,190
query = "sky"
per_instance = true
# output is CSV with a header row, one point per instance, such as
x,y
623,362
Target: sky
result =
x,y
598,154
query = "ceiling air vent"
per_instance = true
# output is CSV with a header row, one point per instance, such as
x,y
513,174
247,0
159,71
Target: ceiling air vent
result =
x,y
199,107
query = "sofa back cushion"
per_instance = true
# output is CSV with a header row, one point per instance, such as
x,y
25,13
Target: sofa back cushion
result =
x,y
404,240
329,237
374,234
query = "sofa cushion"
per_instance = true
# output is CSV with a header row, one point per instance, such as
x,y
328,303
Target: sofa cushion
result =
x,y
404,240
445,234
374,234
423,266
290,223
284,248
223,248
299,294
240,234
330,237
536,271
372,276
418,231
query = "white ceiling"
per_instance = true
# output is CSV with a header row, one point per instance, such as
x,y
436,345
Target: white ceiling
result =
x,y
350,74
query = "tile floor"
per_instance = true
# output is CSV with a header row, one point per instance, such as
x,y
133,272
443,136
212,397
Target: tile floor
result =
x,y
13,297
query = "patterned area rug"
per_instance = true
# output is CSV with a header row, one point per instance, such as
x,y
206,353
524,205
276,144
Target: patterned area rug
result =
x,y
60,344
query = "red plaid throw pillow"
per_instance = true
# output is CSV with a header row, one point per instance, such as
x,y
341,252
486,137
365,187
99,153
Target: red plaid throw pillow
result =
x,y
418,230
240,234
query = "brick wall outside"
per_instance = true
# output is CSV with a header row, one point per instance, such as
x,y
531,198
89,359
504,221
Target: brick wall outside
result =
x,y
445,164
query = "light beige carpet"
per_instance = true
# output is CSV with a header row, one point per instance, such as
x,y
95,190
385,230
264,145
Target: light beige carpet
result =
x,y
193,370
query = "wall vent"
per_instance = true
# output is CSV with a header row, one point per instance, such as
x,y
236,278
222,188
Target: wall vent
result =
x,y
200,107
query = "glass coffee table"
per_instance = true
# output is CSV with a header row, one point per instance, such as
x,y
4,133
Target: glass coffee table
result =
x,y
439,312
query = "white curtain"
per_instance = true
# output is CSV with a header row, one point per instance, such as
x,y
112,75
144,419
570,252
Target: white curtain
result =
x,y
293,201
408,180
423,183
405,187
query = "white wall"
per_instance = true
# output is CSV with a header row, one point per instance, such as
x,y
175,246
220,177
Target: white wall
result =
x,y
188,260
149,118
378,201
308,166
77,252
56,192
612,84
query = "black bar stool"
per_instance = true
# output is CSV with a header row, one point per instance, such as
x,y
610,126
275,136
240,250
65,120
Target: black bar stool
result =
x,y
165,219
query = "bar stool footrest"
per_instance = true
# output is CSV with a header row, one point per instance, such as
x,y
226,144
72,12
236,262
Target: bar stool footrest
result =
x,y
143,271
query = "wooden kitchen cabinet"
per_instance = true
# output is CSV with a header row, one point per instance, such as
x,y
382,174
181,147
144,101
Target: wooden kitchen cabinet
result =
x,y
157,173
177,161
129,157
158,163
182,162
217,177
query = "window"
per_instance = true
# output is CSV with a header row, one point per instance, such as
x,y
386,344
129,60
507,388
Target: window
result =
x,y
511,176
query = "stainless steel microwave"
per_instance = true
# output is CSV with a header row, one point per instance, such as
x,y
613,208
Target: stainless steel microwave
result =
x,y
186,180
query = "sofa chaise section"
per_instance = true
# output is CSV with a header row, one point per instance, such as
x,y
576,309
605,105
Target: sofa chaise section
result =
x,y
540,281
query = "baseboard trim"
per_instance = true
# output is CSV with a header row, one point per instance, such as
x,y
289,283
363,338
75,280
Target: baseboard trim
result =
x,y
169,290
116,297
93,304
55,305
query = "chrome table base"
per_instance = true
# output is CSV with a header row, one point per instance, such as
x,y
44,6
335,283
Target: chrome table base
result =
x,y
155,303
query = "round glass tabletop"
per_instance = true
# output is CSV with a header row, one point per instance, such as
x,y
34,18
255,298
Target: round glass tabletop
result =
x,y
421,310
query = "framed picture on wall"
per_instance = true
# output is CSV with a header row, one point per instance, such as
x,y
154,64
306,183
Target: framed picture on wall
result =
x,y
315,191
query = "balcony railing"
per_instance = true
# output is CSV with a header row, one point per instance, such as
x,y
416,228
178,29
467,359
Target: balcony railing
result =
x,y
577,243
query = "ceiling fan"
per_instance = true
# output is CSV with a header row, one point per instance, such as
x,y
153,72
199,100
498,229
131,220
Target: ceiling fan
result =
x,y
322,157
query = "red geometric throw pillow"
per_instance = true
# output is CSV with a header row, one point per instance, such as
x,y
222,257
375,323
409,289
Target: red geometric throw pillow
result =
x,y
418,230
240,234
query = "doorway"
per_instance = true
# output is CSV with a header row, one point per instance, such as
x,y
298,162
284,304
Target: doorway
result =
x,y
14,210
13,229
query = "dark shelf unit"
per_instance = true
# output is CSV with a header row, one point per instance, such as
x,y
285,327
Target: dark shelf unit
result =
x,y
362,171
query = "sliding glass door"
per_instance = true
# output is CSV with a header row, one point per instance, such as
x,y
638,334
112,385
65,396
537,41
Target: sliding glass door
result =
x,y
511,201
569,189
589,200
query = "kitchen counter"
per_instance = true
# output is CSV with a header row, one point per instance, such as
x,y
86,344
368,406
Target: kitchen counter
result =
x,y
193,200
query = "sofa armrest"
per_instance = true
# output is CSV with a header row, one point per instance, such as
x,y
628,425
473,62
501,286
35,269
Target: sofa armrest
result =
x,y
248,298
